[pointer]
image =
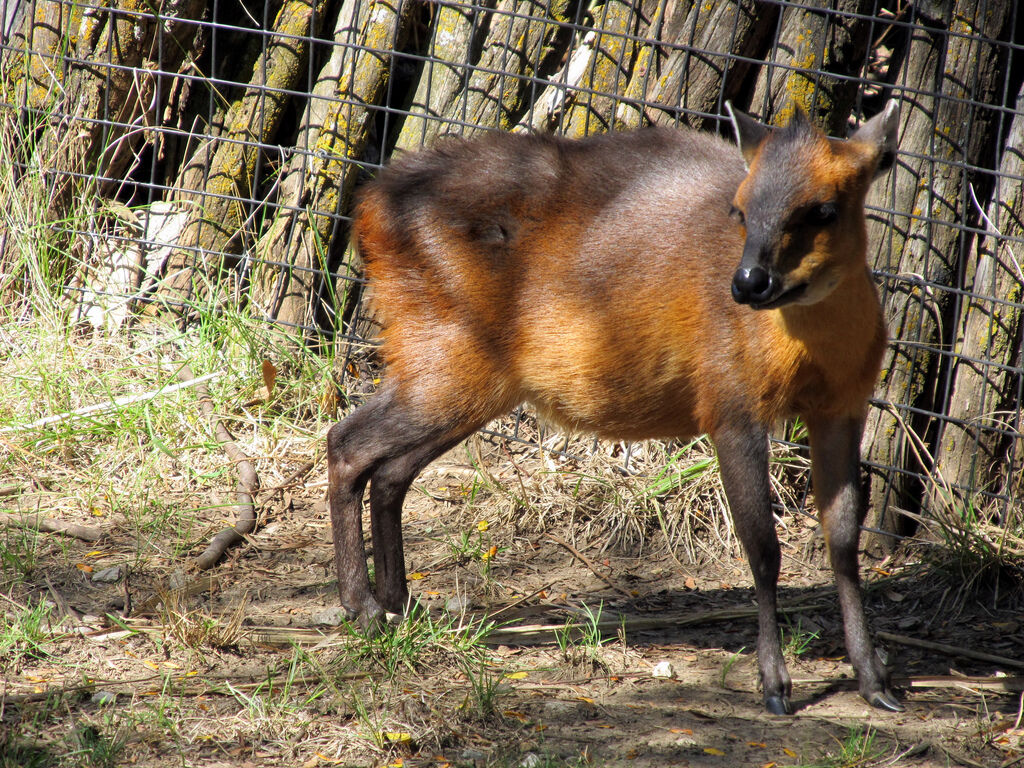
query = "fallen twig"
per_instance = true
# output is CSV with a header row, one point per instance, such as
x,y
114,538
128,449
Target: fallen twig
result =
x,y
248,481
111,405
211,684
590,564
951,650
293,478
518,602
48,525
1012,684
541,633
278,637
62,604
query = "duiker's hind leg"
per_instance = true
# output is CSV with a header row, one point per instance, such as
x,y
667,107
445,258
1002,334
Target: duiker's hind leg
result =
x,y
388,485
379,434
743,459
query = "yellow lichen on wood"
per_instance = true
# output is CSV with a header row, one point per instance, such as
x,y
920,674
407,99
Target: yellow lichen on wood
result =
x,y
359,77
441,82
609,69
494,101
629,114
222,171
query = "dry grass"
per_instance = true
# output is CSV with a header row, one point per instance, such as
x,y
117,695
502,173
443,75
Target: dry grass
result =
x,y
628,497
147,474
187,681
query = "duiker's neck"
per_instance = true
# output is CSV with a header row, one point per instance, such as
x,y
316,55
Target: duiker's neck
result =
x,y
846,321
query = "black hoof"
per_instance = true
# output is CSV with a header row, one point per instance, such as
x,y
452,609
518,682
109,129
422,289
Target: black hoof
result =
x,y
369,617
885,700
778,705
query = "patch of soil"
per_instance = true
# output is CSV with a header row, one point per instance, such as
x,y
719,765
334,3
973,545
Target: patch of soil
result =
x,y
595,705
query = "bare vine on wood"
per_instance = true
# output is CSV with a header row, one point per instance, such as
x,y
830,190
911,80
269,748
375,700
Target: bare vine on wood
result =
x,y
94,119
217,180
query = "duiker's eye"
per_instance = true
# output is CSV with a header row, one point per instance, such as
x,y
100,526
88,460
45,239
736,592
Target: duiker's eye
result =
x,y
737,214
820,215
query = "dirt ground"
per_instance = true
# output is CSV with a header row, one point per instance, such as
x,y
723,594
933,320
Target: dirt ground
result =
x,y
597,705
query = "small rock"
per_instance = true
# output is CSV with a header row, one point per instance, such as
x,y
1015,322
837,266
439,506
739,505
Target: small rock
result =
x,y
663,669
458,604
103,697
529,760
177,579
331,617
107,575
556,708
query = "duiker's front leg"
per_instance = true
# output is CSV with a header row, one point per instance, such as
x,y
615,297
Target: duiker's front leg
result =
x,y
743,458
835,456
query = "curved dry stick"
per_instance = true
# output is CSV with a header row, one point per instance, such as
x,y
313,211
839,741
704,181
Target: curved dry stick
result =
x,y
248,481
37,522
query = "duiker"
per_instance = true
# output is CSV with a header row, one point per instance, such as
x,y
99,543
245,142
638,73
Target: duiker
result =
x,y
598,280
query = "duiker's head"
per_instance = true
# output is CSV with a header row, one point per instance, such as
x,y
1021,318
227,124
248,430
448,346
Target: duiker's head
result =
x,y
802,205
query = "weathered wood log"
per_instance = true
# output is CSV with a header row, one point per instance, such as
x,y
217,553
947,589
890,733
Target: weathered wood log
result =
x,y
665,18
983,432
819,41
587,93
581,97
32,36
220,175
489,57
947,65
318,181
37,522
198,107
701,73
522,41
456,39
101,69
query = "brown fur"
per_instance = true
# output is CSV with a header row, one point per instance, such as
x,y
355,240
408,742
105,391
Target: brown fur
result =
x,y
595,279
559,316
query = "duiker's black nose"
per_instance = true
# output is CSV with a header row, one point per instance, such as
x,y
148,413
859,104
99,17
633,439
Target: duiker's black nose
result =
x,y
752,286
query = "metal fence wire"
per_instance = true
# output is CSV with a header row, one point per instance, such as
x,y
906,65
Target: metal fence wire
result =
x,y
220,142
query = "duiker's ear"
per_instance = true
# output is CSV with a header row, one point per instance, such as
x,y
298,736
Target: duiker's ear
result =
x,y
882,133
749,132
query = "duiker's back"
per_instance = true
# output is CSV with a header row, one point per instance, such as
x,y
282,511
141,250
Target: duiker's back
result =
x,y
567,273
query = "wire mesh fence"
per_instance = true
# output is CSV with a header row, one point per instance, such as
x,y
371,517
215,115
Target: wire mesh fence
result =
x,y
191,152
